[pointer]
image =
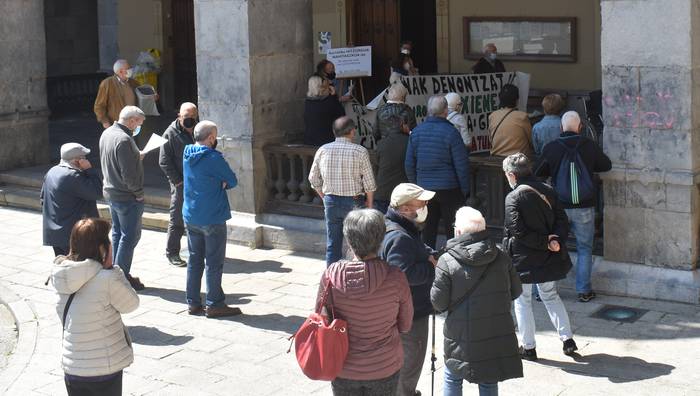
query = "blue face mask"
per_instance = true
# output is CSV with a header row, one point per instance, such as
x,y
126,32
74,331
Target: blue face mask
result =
x,y
137,130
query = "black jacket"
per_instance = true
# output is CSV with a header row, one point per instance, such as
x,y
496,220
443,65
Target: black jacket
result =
x,y
170,158
403,247
528,223
482,66
591,154
391,157
319,114
480,341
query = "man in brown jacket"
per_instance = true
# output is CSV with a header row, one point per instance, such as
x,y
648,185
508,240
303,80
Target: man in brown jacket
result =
x,y
115,93
509,129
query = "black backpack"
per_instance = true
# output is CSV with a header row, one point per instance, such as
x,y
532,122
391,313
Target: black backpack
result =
x,y
573,182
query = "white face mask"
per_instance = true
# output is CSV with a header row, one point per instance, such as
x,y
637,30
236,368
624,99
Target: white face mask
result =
x,y
129,73
137,130
493,56
422,214
405,51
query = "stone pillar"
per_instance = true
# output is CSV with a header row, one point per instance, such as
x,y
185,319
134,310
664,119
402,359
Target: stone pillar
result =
x,y
23,110
651,99
253,60
108,33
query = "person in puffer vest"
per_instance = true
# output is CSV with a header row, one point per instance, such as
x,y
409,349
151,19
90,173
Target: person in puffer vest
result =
x,y
476,282
96,345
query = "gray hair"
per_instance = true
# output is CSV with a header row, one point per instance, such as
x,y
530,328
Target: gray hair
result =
x,y
119,64
437,105
129,112
517,164
469,220
364,230
343,126
397,92
315,87
203,130
570,121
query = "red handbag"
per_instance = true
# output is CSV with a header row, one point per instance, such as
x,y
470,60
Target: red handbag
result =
x,y
321,348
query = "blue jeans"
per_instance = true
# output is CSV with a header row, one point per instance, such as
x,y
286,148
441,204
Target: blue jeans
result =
x,y
335,208
582,222
126,231
381,205
206,244
453,386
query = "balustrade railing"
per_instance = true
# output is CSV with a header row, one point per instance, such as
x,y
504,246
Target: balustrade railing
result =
x,y
288,184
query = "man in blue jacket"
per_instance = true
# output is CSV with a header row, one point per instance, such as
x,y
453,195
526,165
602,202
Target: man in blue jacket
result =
x,y
437,160
207,176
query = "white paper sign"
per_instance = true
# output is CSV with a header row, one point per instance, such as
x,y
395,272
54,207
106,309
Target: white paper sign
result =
x,y
153,143
351,62
324,42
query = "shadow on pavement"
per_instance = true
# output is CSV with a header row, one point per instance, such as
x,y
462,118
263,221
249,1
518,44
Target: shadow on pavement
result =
x,y
274,322
178,296
237,266
145,335
618,369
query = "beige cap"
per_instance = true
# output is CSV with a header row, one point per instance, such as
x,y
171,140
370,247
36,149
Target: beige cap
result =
x,y
406,192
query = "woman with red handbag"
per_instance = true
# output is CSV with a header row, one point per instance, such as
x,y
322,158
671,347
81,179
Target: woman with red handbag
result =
x,y
375,301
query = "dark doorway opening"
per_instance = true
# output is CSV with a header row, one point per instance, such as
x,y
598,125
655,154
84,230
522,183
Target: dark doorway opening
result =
x,y
184,52
419,25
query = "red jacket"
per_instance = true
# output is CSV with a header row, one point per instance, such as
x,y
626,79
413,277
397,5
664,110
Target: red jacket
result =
x,y
375,300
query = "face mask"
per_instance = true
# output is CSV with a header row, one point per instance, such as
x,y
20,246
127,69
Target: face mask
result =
x,y
493,56
216,143
421,214
405,51
512,184
137,130
331,76
189,122
129,73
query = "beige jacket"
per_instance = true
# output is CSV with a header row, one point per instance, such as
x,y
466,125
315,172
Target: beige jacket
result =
x,y
513,136
95,341
110,100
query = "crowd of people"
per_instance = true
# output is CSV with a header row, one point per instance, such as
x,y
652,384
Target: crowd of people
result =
x,y
388,206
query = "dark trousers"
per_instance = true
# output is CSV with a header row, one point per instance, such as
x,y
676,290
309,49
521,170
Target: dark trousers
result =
x,y
110,387
59,251
443,206
415,345
176,226
380,387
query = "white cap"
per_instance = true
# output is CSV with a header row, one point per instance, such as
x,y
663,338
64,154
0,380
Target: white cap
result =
x,y
453,100
71,151
406,192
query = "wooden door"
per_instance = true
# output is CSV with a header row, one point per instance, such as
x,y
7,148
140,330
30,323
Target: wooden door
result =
x,y
377,23
184,55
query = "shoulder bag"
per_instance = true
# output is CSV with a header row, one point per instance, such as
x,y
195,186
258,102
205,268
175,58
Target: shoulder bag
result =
x,y
493,135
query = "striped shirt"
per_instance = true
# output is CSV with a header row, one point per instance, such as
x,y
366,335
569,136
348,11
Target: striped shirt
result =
x,y
342,168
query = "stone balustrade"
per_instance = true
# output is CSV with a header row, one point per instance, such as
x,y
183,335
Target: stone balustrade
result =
x,y
289,190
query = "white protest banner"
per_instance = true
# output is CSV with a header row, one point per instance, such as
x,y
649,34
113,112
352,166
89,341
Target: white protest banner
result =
x,y
351,62
479,94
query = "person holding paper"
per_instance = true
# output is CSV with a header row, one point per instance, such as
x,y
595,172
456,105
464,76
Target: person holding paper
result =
x,y
178,135
122,170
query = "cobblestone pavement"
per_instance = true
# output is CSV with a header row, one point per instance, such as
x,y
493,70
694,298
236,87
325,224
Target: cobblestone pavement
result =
x,y
177,354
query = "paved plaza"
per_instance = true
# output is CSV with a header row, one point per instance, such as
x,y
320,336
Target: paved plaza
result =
x,y
178,354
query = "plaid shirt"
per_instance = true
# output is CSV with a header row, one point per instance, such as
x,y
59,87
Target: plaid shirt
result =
x,y
342,168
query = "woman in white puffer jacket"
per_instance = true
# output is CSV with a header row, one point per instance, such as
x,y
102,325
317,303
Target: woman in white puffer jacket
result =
x,y
96,345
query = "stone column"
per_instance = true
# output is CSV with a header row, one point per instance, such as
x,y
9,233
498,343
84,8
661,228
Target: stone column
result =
x,y
253,60
23,110
108,33
651,99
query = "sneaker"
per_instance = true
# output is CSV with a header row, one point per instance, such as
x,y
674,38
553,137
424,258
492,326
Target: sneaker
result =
x,y
528,354
135,282
176,261
219,312
570,347
586,297
195,309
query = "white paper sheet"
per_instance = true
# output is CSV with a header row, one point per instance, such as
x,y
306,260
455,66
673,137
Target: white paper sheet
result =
x,y
153,143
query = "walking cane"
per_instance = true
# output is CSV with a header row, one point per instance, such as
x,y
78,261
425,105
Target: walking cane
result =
x,y
432,360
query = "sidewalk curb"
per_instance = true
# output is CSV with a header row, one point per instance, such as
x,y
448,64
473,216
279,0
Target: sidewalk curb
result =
x,y
28,330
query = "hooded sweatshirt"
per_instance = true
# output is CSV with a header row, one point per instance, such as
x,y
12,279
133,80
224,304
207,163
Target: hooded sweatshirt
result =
x,y
480,341
375,301
95,341
205,170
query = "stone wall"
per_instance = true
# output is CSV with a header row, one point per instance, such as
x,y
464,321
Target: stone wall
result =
x,y
253,58
23,111
71,37
651,97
